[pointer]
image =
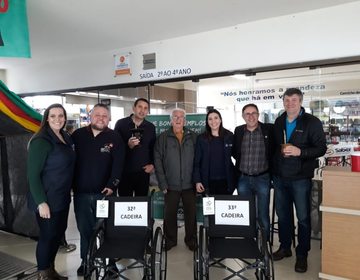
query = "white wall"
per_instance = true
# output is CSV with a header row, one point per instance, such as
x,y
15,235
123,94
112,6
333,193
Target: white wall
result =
x,y
315,35
3,75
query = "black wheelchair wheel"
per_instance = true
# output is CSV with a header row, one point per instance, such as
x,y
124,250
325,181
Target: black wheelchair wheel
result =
x,y
95,268
267,269
158,256
269,263
196,258
203,255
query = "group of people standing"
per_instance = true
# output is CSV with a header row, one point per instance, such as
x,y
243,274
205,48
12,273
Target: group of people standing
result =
x,y
282,155
97,161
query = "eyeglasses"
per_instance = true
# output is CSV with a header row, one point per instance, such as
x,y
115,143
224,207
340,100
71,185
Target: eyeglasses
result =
x,y
254,114
178,117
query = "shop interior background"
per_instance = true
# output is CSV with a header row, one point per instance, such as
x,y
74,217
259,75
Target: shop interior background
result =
x,y
330,93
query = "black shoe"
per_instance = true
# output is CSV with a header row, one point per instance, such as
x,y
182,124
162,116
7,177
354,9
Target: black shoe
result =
x,y
191,247
168,247
280,254
66,249
81,270
148,250
301,265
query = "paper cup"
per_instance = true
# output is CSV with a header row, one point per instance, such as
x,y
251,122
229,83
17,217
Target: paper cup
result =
x,y
355,161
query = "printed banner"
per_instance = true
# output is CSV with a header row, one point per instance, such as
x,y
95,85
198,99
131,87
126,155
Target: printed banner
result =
x,y
159,205
194,122
339,150
14,31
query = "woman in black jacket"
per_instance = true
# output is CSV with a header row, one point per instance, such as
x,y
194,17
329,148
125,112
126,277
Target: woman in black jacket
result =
x,y
213,169
51,161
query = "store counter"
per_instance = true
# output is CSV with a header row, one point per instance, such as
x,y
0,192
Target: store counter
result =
x,y
340,224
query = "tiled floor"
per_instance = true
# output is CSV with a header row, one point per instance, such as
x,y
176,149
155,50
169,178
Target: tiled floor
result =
x,y
180,264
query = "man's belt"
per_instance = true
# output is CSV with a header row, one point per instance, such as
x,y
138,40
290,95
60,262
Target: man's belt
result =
x,y
257,174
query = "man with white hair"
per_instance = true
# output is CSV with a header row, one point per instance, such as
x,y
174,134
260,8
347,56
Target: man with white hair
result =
x,y
173,160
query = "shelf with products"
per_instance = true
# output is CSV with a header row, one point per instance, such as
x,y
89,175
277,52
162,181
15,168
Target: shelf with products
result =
x,y
84,116
339,117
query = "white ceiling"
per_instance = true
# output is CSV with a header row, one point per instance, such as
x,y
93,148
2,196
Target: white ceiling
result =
x,y
65,28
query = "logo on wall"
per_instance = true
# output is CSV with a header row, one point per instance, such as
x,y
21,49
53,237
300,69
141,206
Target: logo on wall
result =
x,y
122,64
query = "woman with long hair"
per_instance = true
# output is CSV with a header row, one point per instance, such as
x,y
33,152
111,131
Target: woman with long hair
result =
x,y
51,161
213,169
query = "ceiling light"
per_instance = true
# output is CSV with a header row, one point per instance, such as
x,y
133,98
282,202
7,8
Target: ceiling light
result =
x,y
240,77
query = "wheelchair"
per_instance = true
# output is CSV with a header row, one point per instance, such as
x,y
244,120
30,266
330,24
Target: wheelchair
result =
x,y
233,232
127,233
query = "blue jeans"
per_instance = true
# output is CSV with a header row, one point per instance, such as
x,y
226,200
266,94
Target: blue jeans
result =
x,y
261,185
85,214
297,192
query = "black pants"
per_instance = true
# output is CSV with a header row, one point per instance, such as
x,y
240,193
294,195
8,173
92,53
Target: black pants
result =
x,y
172,199
218,187
51,232
137,182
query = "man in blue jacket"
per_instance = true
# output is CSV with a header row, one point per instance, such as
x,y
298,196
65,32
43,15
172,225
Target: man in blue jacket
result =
x,y
293,170
100,158
253,151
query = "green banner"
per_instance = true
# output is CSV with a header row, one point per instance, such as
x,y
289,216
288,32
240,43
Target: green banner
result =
x,y
159,204
195,122
14,31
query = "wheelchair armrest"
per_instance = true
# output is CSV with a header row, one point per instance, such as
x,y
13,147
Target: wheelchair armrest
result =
x,y
100,223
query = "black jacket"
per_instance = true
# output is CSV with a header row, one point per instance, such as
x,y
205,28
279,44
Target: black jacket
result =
x,y
139,156
309,136
202,161
99,161
267,130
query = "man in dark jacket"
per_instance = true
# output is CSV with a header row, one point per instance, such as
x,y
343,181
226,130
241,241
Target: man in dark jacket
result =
x,y
293,170
253,151
100,158
139,153
173,160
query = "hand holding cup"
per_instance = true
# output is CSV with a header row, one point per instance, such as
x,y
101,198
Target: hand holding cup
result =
x,y
137,134
289,149
133,141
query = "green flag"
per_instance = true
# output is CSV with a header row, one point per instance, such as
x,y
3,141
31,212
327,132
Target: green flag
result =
x,y
14,31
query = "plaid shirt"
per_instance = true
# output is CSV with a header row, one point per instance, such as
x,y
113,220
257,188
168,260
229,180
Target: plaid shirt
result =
x,y
253,158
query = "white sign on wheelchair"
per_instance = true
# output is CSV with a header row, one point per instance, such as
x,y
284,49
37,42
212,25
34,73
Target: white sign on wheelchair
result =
x,y
102,208
208,206
232,212
131,214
